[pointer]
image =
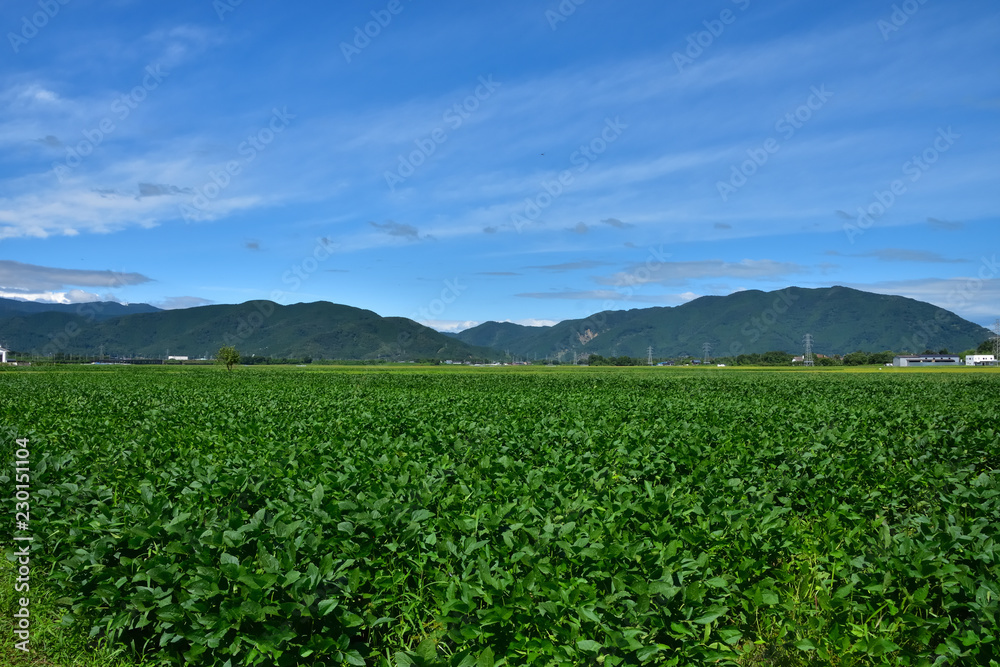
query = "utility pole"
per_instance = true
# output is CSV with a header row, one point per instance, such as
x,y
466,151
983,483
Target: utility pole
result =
x,y
649,355
808,359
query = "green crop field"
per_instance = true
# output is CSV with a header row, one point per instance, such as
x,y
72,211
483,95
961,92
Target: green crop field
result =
x,y
510,517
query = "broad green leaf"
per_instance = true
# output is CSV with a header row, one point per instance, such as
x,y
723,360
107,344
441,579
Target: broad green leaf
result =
x,y
486,658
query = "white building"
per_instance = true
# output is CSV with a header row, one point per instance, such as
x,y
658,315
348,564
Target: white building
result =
x,y
980,360
926,360
177,358
3,355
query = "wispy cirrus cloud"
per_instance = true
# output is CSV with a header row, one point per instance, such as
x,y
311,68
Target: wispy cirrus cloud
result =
x,y
902,255
615,222
945,225
680,273
570,266
183,43
972,297
603,295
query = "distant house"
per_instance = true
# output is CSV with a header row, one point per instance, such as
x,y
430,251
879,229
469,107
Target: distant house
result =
x,y
926,360
3,355
980,360
173,358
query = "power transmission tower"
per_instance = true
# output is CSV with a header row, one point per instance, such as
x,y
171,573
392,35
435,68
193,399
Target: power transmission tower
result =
x,y
649,353
996,341
707,349
808,359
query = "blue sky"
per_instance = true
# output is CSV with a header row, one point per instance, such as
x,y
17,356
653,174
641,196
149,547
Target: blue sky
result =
x,y
459,162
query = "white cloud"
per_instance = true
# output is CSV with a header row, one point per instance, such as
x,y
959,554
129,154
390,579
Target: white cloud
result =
x,y
179,302
67,297
183,43
533,322
974,297
449,326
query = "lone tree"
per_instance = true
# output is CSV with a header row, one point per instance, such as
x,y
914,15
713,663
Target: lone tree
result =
x,y
229,356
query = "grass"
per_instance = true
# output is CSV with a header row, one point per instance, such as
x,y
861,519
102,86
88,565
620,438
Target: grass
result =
x,y
52,644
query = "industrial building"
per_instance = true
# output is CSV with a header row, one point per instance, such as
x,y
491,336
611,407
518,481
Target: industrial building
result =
x,y
980,360
926,360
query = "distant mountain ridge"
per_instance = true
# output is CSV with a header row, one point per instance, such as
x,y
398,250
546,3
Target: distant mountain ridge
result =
x,y
840,319
320,330
96,310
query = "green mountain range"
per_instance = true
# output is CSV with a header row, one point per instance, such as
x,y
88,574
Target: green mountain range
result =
x,y
840,320
319,330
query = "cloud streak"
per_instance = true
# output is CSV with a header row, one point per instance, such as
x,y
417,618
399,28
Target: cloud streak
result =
x,y
681,273
399,230
569,266
31,277
903,255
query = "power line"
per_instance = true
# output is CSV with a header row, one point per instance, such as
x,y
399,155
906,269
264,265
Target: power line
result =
x,y
808,360
707,349
649,352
